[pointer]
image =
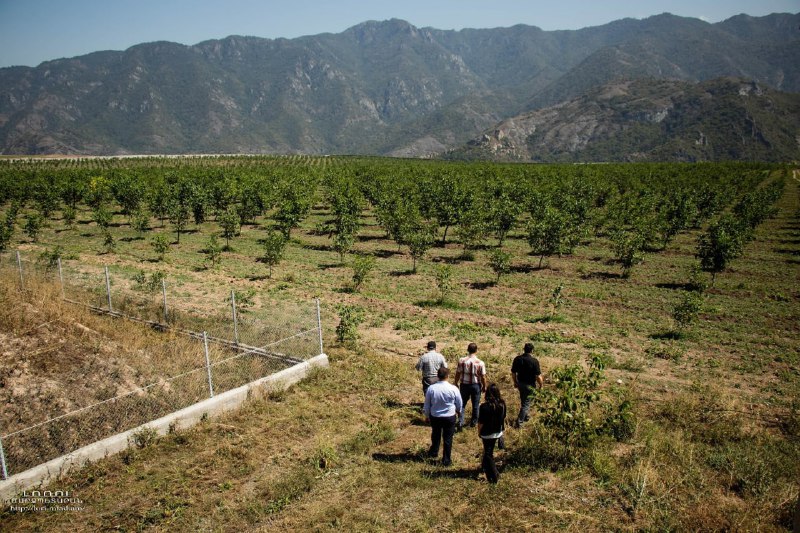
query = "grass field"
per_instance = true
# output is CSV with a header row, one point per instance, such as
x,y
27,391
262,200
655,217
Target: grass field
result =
x,y
716,440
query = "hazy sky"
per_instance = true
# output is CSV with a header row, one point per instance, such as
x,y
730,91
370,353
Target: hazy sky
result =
x,y
32,31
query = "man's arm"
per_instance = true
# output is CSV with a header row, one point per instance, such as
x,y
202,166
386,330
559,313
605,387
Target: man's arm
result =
x,y
539,381
514,379
459,369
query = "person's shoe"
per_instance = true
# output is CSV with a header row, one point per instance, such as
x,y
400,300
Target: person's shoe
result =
x,y
446,463
473,423
459,427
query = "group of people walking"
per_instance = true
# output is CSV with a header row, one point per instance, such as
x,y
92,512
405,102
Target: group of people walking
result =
x,y
445,404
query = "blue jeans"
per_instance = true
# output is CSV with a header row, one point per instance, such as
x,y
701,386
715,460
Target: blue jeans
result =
x,y
442,427
472,392
525,397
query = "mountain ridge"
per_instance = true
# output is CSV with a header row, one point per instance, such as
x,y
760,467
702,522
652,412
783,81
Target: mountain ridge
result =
x,y
379,87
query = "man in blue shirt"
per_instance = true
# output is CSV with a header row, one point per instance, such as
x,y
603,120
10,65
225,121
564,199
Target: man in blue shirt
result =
x,y
442,408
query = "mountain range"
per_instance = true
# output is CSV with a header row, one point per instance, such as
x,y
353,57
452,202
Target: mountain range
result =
x,y
391,88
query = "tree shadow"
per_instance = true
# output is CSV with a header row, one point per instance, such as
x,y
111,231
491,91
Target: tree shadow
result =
x,y
399,273
673,286
667,335
367,238
602,275
524,269
481,285
257,277
328,266
383,254
786,251
318,247
402,457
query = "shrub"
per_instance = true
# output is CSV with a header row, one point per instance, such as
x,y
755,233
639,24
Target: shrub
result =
x,y
444,282
363,265
686,311
500,262
160,245
350,316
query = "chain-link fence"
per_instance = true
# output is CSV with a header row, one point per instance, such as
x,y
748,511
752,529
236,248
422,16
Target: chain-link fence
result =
x,y
213,343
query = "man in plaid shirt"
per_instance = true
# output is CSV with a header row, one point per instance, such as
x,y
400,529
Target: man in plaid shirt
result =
x,y
471,381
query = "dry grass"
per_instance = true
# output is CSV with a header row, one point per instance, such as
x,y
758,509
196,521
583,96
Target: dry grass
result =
x,y
715,446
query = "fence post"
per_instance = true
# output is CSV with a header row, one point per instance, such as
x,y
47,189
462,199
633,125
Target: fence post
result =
x,y
164,293
61,279
3,460
108,291
208,365
235,321
319,327
19,266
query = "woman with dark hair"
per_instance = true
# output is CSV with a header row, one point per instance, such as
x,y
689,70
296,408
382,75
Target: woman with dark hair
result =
x,y
491,422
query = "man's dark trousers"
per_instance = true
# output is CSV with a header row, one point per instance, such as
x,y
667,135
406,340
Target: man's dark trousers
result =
x,y
470,391
442,426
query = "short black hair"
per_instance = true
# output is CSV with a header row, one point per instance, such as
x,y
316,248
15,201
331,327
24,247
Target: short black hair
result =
x,y
431,345
472,348
442,373
528,347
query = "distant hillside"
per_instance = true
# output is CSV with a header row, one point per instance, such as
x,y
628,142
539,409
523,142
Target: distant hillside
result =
x,y
652,120
376,88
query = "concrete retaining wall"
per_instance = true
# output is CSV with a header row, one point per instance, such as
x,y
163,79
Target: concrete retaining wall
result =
x,y
184,418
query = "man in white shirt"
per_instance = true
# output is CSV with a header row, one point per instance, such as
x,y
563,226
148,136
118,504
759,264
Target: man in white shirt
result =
x,y
442,407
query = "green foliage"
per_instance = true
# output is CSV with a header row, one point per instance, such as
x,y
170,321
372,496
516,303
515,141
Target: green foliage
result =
x,y
101,216
471,231
350,316
686,311
109,242
500,262
33,226
213,252
697,280
556,299
362,265
49,258
160,245
294,202
229,221
628,249
152,283
179,217
572,417
552,232
444,282
245,299
274,246
721,244
566,409
420,240
69,214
